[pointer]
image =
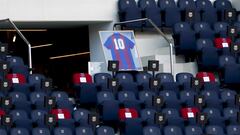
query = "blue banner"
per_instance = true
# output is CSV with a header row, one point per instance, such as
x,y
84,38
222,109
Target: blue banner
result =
x,y
121,46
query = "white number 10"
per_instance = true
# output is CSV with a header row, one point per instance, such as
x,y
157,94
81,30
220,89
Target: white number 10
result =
x,y
119,44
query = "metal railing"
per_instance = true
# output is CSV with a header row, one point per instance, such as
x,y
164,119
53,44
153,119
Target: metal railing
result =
x,y
24,39
158,30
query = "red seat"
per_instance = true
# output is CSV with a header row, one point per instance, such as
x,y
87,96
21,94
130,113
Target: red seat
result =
x,y
16,78
79,78
61,114
2,113
127,113
188,113
222,42
206,77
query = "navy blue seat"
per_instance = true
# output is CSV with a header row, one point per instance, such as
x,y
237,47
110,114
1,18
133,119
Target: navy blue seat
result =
x,y
171,13
207,12
41,131
105,130
214,130
62,131
101,79
142,80
128,10
38,117
129,100
184,80
187,97
109,110
35,80
20,101
230,114
172,130
151,11
81,116
62,100
222,6
231,74
3,132
104,96
228,97
208,60
173,117
170,99
193,130
146,97
148,116
212,98
214,117
226,60
151,130
201,43
87,94
21,119
84,131
19,131
37,99
204,30
233,129
133,127
220,29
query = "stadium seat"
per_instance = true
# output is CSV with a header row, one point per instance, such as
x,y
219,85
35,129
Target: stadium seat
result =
x,y
151,11
167,82
63,117
41,131
109,111
223,45
189,5
184,80
204,30
62,100
62,131
214,117
19,100
208,60
225,60
207,12
187,97
201,43
228,97
146,97
151,130
181,26
222,6
81,116
214,130
230,114
220,29
128,10
101,79
14,60
148,116
104,96
19,131
173,117
124,78
127,113
35,81
172,130
142,79
37,99
189,114
20,119
105,130
132,87
133,127
212,98
84,131
18,83
231,75
87,94
171,13
38,117
193,130
128,99
233,129
79,78
170,99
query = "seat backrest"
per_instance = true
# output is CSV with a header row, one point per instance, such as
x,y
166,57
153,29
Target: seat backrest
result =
x,y
19,131
168,95
186,4
204,4
37,96
220,27
201,26
18,96
210,95
14,60
171,113
101,78
230,113
127,113
124,4
233,129
214,130
124,77
81,115
38,115
181,26
184,78
62,131
222,4
35,79
105,130
104,95
60,95
163,4
227,94
193,130
226,59
126,96
206,77
16,78
79,78
201,43
3,132
148,114
189,113
212,112
147,3
19,114
146,95
221,43
84,131
143,77
151,130
41,131
187,95
172,130
165,77
61,113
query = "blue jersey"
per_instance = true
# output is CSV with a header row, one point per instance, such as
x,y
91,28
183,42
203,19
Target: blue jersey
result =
x,y
120,47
